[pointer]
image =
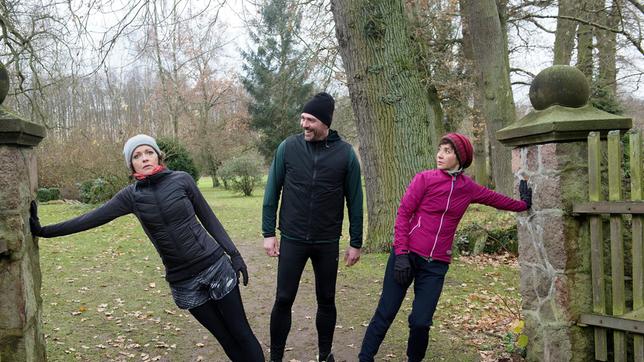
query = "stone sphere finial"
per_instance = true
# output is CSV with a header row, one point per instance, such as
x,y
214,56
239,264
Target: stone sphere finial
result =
x,y
562,85
4,82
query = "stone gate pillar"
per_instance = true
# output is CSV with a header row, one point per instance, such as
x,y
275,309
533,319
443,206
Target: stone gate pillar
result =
x,y
554,249
21,335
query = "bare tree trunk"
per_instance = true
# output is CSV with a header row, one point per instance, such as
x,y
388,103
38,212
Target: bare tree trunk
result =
x,y
607,48
157,53
565,34
478,123
419,44
489,42
585,39
397,129
170,79
175,101
212,162
481,174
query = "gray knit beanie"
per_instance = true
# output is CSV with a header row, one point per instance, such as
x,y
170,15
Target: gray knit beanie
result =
x,y
136,141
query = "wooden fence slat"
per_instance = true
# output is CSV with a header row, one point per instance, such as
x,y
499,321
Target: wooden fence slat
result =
x,y
635,143
616,240
594,166
596,248
609,207
635,146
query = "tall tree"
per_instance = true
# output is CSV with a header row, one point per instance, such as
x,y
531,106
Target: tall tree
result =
x,y
478,123
275,78
209,97
607,48
565,33
486,23
394,114
597,50
167,43
588,10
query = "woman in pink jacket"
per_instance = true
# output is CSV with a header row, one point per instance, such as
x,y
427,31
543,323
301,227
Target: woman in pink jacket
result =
x,y
428,215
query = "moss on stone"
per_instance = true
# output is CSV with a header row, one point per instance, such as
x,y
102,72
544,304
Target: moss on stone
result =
x,y
559,85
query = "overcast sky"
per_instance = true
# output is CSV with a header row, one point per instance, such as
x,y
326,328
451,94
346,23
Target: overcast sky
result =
x,y
236,14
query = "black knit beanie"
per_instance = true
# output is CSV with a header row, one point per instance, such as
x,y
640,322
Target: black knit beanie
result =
x,y
321,106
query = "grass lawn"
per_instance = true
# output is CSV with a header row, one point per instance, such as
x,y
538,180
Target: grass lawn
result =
x,y
104,297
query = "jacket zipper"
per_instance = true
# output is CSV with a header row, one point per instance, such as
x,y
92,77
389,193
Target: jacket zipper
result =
x,y
315,172
165,222
440,226
415,227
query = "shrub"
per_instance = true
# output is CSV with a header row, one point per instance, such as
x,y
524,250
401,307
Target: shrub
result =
x,y
177,157
241,174
98,190
515,340
483,229
63,162
474,239
47,194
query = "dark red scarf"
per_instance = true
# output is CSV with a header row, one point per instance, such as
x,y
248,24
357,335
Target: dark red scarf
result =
x,y
141,177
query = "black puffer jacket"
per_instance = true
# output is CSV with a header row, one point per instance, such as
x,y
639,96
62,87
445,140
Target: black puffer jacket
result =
x,y
166,205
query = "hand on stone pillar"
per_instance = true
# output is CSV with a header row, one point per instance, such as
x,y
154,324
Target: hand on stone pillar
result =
x,y
34,221
525,193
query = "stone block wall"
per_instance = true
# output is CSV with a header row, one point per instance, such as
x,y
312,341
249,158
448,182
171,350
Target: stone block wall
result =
x,y
554,252
21,336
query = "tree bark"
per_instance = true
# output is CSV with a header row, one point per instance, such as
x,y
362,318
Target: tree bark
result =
x,y
419,45
478,123
565,33
489,42
585,40
398,131
607,48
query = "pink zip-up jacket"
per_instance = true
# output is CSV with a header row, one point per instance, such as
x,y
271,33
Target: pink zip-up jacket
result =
x,y
432,207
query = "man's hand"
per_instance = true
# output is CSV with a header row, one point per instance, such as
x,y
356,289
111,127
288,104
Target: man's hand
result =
x,y
272,246
351,256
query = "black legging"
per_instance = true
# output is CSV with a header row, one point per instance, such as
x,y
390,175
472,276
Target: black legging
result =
x,y
226,320
292,259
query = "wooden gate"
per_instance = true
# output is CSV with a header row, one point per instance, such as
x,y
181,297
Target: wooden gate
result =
x,y
625,318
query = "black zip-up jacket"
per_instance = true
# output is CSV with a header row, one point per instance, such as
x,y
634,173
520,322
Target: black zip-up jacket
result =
x,y
166,205
314,178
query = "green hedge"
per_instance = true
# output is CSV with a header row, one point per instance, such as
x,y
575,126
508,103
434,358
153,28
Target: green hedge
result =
x,y
99,190
45,194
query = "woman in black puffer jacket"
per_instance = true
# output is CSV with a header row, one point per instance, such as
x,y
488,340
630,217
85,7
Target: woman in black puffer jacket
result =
x,y
202,278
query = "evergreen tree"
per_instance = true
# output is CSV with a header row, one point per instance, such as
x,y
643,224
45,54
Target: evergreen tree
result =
x,y
275,77
177,157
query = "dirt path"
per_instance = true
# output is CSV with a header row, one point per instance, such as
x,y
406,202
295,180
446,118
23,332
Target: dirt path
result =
x,y
258,299
465,329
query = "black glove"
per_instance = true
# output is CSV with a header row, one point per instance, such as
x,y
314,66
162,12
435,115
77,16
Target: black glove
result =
x,y
525,193
239,266
34,221
402,269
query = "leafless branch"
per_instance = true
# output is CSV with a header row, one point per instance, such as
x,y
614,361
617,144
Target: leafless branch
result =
x,y
635,42
637,4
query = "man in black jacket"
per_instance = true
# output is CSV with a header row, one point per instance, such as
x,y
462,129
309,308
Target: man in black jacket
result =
x,y
314,171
